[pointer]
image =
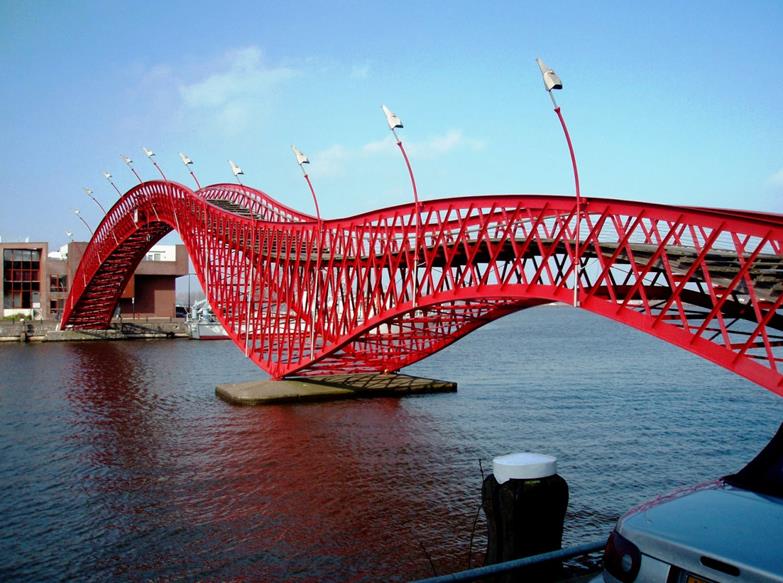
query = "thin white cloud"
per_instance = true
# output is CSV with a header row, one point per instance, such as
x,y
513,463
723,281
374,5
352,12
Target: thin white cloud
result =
x,y
360,71
440,145
333,160
378,147
156,75
776,180
239,90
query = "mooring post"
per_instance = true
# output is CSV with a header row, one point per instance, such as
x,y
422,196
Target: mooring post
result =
x,y
525,503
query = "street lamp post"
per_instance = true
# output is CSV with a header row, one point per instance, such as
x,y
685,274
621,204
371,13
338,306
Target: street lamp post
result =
x,y
107,176
553,82
88,192
81,218
394,123
236,171
188,164
151,155
301,159
129,164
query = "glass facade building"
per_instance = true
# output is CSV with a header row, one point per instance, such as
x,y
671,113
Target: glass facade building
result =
x,y
22,279
35,283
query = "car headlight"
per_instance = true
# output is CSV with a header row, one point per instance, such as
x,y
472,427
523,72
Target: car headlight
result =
x,y
622,558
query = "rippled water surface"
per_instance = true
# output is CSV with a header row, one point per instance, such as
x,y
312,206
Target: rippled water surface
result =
x,y
117,461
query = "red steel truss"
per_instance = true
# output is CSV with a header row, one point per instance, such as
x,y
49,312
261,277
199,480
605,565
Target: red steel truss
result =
x,y
382,290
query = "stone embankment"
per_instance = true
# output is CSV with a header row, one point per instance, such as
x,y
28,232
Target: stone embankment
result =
x,y
46,331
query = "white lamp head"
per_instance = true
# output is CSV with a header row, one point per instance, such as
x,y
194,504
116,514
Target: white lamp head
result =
x,y
107,175
127,160
236,170
76,211
185,160
68,234
391,118
551,80
300,158
87,191
148,153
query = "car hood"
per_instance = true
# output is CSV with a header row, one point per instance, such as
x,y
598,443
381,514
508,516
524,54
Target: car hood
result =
x,y
735,526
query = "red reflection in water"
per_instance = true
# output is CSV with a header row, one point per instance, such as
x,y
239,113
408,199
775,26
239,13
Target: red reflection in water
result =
x,y
118,461
330,491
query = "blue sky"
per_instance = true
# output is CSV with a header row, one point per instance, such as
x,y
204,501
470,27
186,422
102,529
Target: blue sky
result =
x,y
676,102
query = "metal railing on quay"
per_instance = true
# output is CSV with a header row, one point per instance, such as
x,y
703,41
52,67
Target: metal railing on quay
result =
x,y
500,568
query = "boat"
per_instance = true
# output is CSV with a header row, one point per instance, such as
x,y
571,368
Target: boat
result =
x,y
202,323
207,331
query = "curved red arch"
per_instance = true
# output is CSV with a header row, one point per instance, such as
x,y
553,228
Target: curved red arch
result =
x,y
376,292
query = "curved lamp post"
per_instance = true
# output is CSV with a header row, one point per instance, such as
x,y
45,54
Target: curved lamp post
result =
x,y
236,171
151,155
394,123
189,165
107,176
81,218
88,192
129,164
552,82
301,159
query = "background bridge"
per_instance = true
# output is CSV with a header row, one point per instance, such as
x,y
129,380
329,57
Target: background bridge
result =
x,y
382,290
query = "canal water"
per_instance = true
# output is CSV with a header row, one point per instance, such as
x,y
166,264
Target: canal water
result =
x,y
117,461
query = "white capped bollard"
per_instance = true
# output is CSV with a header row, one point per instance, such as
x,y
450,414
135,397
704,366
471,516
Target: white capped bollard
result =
x,y
523,466
525,502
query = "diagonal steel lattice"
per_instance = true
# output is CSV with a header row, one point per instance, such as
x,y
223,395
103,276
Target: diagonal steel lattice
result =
x,y
381,290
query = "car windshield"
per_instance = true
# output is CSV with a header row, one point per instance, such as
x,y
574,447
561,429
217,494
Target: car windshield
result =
x,y
764,474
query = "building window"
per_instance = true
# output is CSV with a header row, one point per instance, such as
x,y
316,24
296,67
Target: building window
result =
x,y
56,308
21,278
58,283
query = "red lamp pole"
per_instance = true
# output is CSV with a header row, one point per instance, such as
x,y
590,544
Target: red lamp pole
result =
x,y
81,218
394,123
236,171
551,82
88,192
151,155
129,164
301,159
188,163
107,176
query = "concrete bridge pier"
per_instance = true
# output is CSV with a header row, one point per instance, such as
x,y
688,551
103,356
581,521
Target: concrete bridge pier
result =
x,y
326,388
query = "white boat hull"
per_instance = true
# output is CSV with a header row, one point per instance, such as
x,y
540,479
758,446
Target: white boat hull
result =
x,y
207,331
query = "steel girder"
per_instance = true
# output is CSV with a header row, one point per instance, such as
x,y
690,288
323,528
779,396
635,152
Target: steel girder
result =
x,y
381,290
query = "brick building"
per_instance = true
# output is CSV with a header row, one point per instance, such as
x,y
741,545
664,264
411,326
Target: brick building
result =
x,y
35,282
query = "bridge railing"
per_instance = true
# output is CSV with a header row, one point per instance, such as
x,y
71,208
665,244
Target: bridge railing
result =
x,y
393,286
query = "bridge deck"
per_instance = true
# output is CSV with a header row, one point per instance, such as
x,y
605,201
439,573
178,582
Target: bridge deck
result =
x,y
378,292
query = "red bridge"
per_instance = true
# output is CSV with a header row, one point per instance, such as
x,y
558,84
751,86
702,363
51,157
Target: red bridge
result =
x,y
382,290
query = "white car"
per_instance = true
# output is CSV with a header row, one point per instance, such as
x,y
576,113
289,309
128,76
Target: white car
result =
x,y
728,530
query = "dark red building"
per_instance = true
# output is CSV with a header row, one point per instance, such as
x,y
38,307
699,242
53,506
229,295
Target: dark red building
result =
x,y
35,282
